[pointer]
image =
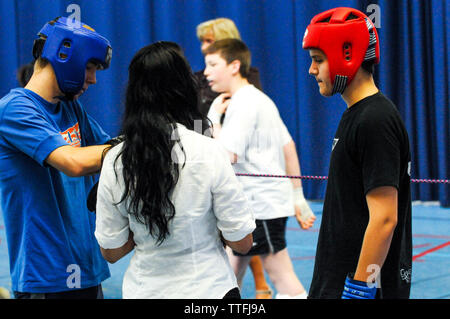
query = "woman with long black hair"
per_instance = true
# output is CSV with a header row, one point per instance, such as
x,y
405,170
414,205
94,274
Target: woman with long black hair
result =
x,y
169,192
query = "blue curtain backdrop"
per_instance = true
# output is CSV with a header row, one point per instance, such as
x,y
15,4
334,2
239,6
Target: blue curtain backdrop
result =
x,y
414,69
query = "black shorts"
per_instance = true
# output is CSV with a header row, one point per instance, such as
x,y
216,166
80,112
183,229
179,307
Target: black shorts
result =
x,y
233,294
269,236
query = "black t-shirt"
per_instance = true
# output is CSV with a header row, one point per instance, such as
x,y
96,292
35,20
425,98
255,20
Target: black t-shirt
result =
x,y
370,149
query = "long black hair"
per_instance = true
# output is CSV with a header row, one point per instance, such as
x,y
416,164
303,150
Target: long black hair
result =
x,y
161,92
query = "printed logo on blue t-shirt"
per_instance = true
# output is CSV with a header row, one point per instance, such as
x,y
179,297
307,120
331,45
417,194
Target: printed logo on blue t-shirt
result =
x,y
72,135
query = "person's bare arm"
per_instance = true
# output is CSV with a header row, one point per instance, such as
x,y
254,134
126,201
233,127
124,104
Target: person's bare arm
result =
x,y
303,213
77,161
115,254
241,246
292,163
382,204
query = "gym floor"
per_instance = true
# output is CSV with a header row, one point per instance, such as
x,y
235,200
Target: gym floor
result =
x,y
431,255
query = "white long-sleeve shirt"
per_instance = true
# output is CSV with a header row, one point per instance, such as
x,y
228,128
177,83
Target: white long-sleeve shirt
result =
x,y
191,262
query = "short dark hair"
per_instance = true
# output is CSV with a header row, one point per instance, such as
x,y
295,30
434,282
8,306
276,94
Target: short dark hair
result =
x,y
231,50
38,47
369,66
24,73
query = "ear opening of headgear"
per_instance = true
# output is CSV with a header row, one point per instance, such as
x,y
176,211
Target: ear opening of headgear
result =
x,y
69,47
348,38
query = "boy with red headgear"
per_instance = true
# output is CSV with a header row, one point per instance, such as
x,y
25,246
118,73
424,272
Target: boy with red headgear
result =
x,y
364,249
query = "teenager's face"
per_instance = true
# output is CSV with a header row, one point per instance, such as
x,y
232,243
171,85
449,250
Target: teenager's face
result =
x,y
218,72
319,68
89,78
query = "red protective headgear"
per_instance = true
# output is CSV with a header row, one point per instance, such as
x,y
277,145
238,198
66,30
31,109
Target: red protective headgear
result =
x,y
348,38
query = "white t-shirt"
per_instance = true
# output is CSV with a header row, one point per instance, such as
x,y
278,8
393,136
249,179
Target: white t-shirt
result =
x,y
255,132
191,262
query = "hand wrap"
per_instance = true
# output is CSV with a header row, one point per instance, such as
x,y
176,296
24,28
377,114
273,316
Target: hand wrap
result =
x,y
300,201
355,289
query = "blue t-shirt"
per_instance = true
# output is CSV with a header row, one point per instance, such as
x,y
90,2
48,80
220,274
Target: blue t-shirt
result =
x,y
50,232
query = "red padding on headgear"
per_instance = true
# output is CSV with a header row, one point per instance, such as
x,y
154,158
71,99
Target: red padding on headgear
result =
x,y
340,38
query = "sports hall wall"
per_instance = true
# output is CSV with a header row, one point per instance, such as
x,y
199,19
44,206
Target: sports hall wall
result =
x,y
414,68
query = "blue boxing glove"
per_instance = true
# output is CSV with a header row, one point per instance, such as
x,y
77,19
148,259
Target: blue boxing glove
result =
x,y
355,289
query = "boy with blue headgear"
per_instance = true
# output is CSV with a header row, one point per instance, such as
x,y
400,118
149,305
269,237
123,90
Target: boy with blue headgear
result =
x,y
49,146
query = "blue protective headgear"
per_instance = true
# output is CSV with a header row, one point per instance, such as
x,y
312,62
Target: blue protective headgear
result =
x,y
69,46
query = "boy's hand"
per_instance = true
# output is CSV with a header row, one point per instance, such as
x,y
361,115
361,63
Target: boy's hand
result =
x,y
304,216
220,103
303,212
